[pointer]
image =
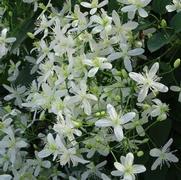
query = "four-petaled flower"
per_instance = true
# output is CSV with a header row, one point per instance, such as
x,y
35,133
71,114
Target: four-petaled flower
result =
x,y
163,155
126,169
148,80
116,121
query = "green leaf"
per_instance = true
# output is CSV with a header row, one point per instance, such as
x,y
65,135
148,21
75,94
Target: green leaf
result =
x,y
21,32
159,6
176,22
157,41
159,134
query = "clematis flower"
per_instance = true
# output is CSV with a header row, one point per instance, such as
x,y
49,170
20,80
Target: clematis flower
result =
x,y
97,63
148,80
163,155
135,5
82,97
116,121
126,169
94,5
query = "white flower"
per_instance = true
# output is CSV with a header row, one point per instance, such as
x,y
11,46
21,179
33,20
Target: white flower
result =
x,y
122,30
93,170
159,109
163,155
176,6
135,5
126,54
126,169
17,93
137,124
52,147
103,23
116,121
82,97
97,63
177,89
148,80
4,41
94,5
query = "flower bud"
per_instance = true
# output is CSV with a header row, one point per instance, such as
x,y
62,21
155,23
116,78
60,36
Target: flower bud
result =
x,y
163,23
30,35
124,73
140,153
176,63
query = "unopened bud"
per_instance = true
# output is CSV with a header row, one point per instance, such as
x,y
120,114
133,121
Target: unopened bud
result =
x,y
140,153
176,63
103,113
30,35
163,23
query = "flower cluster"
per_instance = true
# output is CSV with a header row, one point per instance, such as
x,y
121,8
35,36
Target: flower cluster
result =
x,y
84,103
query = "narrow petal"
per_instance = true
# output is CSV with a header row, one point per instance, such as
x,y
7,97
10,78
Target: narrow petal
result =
x,y
119,166
156,164
118,131
167,145
153,70
155,152
128,117
103,123
85,4
142,12
129,159
138,169
136,77
111,111
143,93
160,87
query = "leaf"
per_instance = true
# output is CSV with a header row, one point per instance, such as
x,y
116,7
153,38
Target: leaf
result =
x,y
160,133
157,41
21,32
159,6
176,22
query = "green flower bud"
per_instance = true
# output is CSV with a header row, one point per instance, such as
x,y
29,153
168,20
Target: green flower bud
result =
x,y
103,113
98,113
124,73
30,35
140,153
77,124
176,63
163,23
10,13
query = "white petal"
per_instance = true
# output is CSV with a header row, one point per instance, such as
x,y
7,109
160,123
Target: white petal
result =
x,y
103,3
172,158
143,93
114,56
116,173
103,123
111,111
156,164
138,169
129,159
170,8
92,97
87,107
92,72
167,145
128,117
44,153
153,70
128,8
93,11
118,131
127,64
136,52
85,4
136,77
119,166
160,87
175,88
130,25
155,152
142,12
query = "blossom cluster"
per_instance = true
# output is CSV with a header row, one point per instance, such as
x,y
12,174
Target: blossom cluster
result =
x,y
86,94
